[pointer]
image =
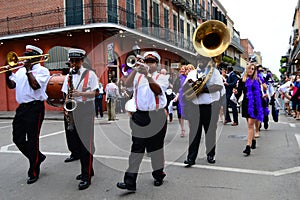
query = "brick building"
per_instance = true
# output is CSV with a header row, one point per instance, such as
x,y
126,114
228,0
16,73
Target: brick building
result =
x,y
107,29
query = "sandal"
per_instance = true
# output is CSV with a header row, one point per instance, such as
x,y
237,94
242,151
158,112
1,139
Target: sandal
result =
x,y
256,135
182,133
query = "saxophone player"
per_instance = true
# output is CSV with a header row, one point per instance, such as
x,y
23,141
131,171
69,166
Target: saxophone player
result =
x,y
85,83
203,110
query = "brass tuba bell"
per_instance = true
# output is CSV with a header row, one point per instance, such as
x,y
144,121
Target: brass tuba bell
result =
x,y
210,39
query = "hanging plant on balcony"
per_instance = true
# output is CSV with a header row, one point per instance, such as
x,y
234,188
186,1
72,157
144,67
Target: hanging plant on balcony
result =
x,y
229,60
282,70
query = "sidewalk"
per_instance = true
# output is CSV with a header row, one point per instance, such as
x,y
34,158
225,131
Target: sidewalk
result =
x,y
49,115
54,115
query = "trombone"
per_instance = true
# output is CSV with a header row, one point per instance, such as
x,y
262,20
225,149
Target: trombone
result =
x,y
16,62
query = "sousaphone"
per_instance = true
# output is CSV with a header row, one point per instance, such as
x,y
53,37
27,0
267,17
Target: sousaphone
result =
x,y
210,39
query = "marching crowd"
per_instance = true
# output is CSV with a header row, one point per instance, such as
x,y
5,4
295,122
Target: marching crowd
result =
x,y
202,95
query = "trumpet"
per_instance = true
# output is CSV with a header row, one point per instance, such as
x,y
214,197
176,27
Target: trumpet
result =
x,y
133,62
16,62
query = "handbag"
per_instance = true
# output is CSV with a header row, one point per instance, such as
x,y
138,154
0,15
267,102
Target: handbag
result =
x,y
233,98
130,105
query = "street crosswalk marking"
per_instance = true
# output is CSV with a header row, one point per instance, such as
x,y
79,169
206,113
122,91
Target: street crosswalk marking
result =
x,y
298,139
5,149
208,167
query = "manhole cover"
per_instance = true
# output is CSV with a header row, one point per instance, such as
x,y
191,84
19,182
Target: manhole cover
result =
x,y
240,137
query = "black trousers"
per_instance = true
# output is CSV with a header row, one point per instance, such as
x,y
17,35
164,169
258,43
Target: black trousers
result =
x,y
72,140
26,131
98,107
83,137
151,138
205,116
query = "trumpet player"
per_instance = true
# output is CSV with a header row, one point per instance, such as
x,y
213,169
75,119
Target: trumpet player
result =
x,y
84,84
30,82
149,122
203,111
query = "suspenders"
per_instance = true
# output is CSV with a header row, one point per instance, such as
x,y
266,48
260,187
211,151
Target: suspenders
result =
x,y
156,96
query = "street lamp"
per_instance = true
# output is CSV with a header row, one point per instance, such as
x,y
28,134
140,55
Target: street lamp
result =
x,y
136,49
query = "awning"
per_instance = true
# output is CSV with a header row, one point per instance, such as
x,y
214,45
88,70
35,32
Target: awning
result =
x,y
238,68
58,58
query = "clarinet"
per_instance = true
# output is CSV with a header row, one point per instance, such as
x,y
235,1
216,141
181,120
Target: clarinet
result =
x,y
70,104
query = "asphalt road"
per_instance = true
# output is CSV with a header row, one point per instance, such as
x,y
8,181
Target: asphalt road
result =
x,y
272,171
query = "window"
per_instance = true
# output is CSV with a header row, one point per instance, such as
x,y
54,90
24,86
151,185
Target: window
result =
x,y
181,28
112,11
175,27
144,13
188,29
208,10
130,13
166,23
156,18
74,12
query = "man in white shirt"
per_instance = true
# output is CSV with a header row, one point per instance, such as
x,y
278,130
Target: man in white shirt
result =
x,y
85,83
149,122
202,112
30,82
112,93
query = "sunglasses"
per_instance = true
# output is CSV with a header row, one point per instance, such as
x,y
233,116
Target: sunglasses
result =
x,y
150,60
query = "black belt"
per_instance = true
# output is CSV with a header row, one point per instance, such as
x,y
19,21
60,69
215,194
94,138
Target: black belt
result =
x,y
151,110
31,103
84,102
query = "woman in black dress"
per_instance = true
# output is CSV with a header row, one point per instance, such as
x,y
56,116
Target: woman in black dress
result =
x,y
252,108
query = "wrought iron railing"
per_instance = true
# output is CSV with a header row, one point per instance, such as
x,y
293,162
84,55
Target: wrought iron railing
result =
x,y
92,13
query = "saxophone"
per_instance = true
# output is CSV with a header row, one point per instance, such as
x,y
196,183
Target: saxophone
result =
x,y
70,104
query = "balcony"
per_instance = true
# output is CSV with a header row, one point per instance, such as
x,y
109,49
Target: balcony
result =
x,y
179,3
93,14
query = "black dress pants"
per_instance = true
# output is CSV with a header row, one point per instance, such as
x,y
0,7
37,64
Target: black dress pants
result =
x,y
205,116
84,136
151,138
26,131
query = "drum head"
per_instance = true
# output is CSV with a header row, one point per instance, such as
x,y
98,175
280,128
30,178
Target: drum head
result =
x,y
55,95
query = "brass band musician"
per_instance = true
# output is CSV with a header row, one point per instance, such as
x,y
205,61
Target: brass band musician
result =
x,y
203,112
84,83
30,83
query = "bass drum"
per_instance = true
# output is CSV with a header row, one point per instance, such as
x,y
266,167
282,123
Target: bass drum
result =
x,y
55,95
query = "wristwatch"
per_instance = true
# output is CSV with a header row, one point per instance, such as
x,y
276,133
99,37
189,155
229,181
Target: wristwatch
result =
x,y
149,75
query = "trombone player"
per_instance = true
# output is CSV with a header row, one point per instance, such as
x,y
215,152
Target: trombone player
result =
x,y
202,89
84,83
30,82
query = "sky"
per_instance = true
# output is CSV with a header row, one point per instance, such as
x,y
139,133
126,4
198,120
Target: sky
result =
x,y
266,23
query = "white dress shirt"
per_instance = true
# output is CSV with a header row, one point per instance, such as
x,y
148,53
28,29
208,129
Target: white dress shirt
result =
x,y
215,79
144,96
24,92
92,84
